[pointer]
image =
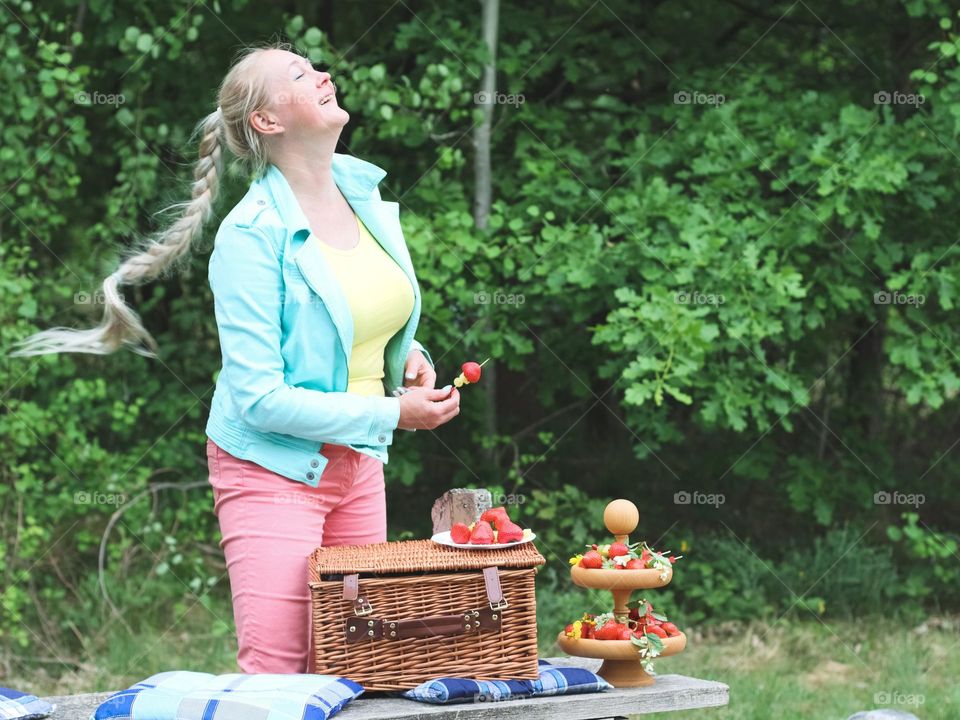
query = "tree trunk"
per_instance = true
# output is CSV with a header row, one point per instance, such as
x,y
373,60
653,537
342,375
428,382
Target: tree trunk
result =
x,y
483,193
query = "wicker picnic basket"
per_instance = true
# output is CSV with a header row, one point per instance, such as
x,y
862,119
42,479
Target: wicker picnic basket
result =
x,y
391,615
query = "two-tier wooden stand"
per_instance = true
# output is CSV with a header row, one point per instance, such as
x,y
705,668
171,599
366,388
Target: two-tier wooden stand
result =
x,y
621,658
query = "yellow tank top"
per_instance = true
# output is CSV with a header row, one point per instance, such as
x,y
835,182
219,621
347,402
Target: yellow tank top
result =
x,y
381,300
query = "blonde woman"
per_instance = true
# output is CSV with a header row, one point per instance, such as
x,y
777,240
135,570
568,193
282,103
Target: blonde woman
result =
x,y
316,304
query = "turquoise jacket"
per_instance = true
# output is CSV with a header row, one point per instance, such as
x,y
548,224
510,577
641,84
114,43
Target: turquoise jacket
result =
x,y
286,330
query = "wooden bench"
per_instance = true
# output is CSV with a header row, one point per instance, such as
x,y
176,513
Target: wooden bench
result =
x,y
670,692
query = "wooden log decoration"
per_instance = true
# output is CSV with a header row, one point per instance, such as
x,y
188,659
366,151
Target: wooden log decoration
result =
x,y
464,505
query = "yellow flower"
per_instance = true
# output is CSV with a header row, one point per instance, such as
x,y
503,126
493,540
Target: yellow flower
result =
x,y
575,630
684,546
575,560
821,607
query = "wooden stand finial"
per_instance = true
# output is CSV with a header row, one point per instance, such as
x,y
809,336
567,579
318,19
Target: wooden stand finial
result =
x,y
621,518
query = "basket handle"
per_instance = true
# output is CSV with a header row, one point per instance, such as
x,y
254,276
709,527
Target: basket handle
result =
x,y
479,620
361,607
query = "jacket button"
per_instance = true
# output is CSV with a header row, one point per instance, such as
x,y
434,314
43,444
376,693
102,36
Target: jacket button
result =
x,y
261,202
310,476
382,438
314,463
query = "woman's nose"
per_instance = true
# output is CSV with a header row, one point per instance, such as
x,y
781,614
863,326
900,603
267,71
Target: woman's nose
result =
x,y
322,78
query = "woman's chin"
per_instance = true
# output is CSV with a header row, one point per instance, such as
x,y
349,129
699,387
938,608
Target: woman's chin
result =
x,y
334,115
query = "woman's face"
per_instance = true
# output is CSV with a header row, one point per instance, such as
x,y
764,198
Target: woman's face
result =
x,y
302,100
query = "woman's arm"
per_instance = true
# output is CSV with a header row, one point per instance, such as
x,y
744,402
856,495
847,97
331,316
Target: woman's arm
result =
x,y
245,276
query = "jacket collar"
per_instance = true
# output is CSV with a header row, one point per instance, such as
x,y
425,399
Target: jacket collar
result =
x,y
356,178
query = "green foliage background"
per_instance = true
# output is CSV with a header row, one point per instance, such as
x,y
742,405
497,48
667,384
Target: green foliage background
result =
x,y
699,290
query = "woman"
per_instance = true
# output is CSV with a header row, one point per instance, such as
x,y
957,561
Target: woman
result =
x,y
316,304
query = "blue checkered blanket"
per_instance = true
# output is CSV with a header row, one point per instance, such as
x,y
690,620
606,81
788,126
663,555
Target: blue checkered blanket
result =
x,y
553,680
16,705
184,695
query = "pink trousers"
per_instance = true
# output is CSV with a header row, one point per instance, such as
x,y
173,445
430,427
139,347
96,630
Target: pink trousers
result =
x,y
269,525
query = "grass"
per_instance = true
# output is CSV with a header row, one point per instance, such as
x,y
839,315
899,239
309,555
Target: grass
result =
x,y
808,670
791,670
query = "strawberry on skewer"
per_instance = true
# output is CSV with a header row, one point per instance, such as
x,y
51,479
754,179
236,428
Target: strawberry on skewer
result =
x,y
470,373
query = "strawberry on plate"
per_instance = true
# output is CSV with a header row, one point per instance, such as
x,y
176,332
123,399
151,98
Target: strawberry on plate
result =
x,y
460,533
482,533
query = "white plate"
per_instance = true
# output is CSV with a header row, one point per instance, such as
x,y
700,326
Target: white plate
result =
x,y
444,539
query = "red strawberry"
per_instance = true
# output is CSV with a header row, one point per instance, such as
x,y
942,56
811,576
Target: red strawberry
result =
x,y
460,534
645,557
610,631
634,614
568,629
482,533
634,564
586,631
498,516
592,559
625,632
657,630
617,549
471,371
509,532
670,629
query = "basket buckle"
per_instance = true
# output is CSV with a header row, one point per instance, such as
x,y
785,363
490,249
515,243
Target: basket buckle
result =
x,y
361,607
500,604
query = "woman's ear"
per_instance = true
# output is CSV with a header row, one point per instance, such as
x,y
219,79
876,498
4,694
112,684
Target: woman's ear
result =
x,y
265,123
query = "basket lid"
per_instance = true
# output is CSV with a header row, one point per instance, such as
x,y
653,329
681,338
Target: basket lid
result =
x,y
416,556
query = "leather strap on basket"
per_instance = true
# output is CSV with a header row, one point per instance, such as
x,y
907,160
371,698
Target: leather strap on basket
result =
x,y
484,619
360,626
351,592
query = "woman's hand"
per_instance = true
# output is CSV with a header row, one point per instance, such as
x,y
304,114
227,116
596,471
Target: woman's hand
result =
x,y
418,372
426,409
